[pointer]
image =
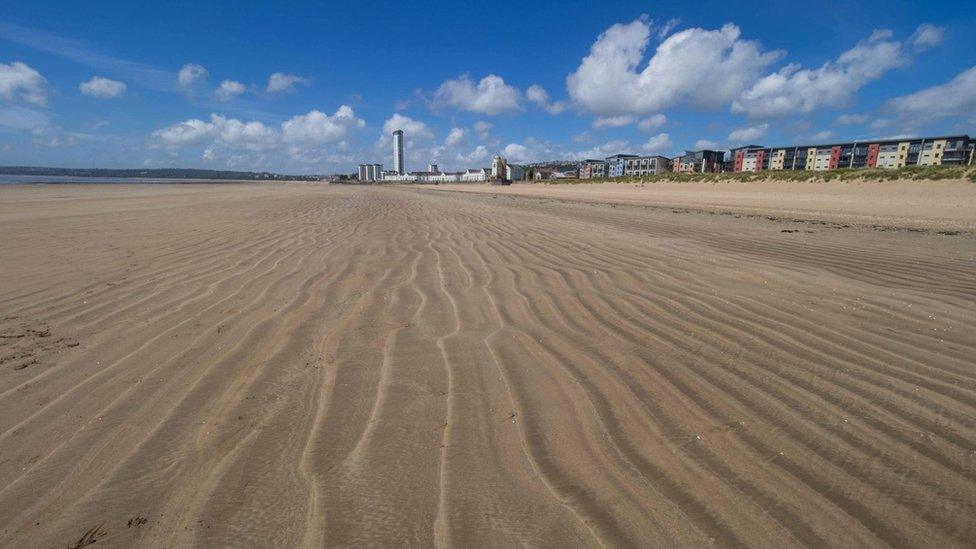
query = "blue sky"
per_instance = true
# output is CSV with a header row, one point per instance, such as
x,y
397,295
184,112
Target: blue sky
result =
x,y
311,87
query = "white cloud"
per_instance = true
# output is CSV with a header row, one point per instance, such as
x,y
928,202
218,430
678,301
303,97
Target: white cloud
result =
x,y
102,88
210,153
516,153
880,123
604,150
184,133
822,136
741,136
452,143
482,128
412,129
23,118
793,90
709,68
190,74
927,36
583,137
706,144
613,121
652,122
667,27
658,144
538,95
229,89
20,82
309,129
851,119
318,127
491,96
251,135
281,82
476,156
954,98
454,138
54,137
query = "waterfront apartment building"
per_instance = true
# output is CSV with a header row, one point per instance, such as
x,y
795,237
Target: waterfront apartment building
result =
x,y
514,172
370,172
593,169
877,153
617,163
702,161
398,152
646,165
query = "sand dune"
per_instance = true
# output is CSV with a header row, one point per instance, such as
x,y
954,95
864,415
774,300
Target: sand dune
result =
x,y
303,365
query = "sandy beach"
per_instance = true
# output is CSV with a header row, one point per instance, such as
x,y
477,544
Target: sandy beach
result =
x,y
932,205
557,366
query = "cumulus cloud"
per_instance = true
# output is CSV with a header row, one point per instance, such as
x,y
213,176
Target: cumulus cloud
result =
x,y
482,128
794,90
514,152
454,137
652,122
229,89
741,136
604,150
252,135
412,129
190,74
184,133
613,121
927,36
20,82
822,136
538,95
880,123
667,27
281,82
476,156
954,98
23,118
706,144
451,145
102,88
709,68
658,144
313,128
318,127
851,119
491,96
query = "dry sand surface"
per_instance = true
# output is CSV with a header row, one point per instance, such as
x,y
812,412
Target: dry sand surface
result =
x,y
935,205
305,365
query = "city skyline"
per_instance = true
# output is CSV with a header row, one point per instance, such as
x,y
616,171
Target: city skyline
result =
x,y
290,99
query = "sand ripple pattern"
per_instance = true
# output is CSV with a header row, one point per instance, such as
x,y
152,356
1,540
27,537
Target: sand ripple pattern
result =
x,y
320,366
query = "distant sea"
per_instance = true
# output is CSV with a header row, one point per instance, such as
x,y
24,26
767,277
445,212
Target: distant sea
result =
x,y
25,179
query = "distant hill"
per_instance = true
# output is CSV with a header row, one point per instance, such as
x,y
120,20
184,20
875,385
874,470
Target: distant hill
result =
x,y
558,165
162,173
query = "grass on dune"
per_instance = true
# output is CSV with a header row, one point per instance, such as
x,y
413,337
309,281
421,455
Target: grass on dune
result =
x,y
910,173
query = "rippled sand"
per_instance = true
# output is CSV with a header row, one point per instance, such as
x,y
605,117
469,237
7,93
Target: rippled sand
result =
x,y
290,365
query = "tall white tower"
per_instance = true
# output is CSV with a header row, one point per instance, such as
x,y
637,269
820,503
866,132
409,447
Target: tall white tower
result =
x,y
398,152
499,167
